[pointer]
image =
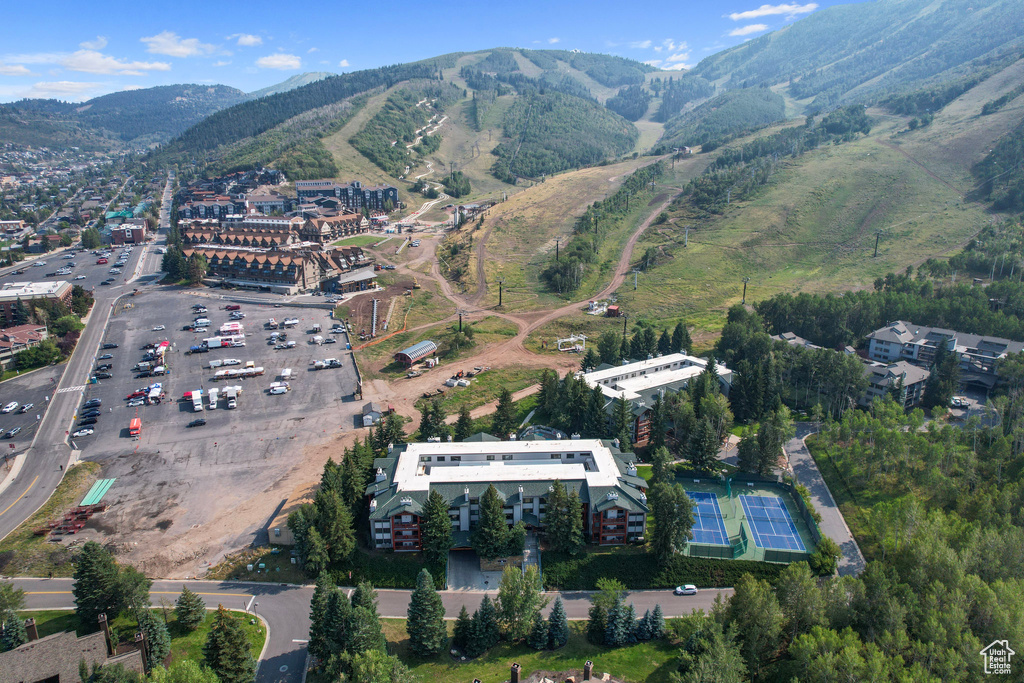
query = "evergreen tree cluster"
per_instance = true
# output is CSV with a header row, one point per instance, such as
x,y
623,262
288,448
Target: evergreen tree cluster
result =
x,y
104,587
630,102
226,650
493,537
343,629
676,93
475,635
324,530
456,184
612,623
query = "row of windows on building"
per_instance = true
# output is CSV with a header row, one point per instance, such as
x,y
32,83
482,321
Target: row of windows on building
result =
x,y
506,456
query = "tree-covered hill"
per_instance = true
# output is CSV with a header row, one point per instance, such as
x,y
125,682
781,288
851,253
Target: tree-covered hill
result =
x,y
722,117
845,52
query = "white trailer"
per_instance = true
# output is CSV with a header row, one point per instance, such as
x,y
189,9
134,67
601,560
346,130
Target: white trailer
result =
x,y
197,400
232,396
213,398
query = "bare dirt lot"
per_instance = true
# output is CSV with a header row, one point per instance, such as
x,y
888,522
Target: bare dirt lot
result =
x,y
184,497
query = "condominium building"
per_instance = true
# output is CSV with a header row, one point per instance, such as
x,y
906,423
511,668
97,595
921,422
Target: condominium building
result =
x,y
523,472
353,195
13,292
641,382
917,344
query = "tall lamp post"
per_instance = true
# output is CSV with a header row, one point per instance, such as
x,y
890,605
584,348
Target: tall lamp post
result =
x,y
501,286
745,281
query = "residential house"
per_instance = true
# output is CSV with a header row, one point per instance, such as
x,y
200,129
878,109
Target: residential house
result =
x,y
16,339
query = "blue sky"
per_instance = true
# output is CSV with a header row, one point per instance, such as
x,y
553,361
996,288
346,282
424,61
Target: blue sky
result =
x,y
77,50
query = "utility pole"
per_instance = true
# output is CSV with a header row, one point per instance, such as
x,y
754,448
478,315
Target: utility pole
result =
x,y
461,313
877,235
557,243
686,237
624,317
501,286
636,272
745,281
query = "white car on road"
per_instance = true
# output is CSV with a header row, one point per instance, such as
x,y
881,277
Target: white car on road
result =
x,y
79,277
9,407
688,589
159,328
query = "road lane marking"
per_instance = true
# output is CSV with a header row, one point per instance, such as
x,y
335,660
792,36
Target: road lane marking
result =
x,y
22,495
67,390
225,595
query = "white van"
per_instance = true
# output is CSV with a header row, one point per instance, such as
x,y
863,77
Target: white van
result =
x,y
286,374
201,322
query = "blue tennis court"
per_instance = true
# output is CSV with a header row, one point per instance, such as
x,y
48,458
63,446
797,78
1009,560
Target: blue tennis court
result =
x,y
708,526
770,523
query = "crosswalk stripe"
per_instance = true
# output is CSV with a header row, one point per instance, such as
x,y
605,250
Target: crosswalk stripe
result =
x,y
66,390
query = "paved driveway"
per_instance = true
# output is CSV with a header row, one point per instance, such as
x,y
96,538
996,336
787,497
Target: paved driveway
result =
x,y
832,523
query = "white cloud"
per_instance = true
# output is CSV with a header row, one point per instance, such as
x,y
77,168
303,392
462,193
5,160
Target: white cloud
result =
x,y
247,39
312,50
669,45
790,9
133,87
279,61
92,62
14,70
748,29
640,44
98,44
552,41
677,67
72,90
343,63
171,44
678,57
654,62
223,62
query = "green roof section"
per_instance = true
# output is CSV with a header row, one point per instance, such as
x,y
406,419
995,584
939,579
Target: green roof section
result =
x,y
98,490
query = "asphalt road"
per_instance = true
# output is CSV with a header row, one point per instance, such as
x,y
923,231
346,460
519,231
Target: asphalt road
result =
x,y
832,524
40,469
285,609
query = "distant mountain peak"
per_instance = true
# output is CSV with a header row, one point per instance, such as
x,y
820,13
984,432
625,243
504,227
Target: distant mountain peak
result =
x,y
296,81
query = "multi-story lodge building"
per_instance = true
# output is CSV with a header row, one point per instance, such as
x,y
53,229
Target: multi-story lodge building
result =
x,y
287,271
916,344
354,196
13,292
614,497
214,207
641,382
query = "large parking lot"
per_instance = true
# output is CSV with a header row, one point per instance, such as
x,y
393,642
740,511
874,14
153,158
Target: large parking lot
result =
x,y
86,271
32,389
172,478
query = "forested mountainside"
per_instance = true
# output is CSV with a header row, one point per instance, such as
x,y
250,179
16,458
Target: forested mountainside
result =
x,y
721,117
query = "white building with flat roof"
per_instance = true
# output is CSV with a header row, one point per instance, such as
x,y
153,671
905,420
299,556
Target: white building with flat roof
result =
x,y
523,472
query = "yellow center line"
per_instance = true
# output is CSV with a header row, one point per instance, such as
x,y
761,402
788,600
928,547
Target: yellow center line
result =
x,y
225,595
22,495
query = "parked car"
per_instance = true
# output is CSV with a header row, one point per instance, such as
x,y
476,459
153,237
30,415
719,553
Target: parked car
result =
x,y
196,423
79,277
105,366
110,346
231,361
688,589
83,432
135,394
232,307
201,329
92,403
105,356
91,413
27,407
105,282
102,375
9,407
11,433
136,402
330,340
159,328
87,421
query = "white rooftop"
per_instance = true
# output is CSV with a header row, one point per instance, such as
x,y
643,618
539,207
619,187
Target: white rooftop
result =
x,y
535,463
630,388
27,290
632,378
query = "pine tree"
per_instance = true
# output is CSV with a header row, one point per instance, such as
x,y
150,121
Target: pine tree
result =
x,y
365,632
624,349
673,520
436,531
558,626
504,422
337,623
317,557
608,347
556,518
661,465
664,343
491,536
464,425
748,453
428,634
702,447
597,624
622,423
463,630
319,637
190,609
14,634
617,629
629,624
643,627
159,640
226,650
595,420
490,633
657,419
657,623
590,360
681,342
538,638
95,583
364,596
334,522
574,534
